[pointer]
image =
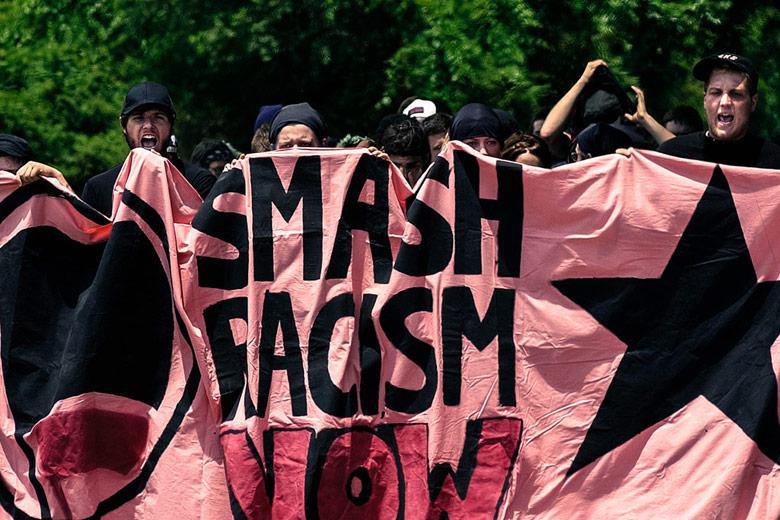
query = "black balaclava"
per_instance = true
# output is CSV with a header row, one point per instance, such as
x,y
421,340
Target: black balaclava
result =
x,y
476,120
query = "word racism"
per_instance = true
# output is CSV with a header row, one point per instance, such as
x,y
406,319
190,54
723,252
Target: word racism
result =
x,y
316,340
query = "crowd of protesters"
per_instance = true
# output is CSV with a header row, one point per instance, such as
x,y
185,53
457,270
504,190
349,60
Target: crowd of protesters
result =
x,y
595,117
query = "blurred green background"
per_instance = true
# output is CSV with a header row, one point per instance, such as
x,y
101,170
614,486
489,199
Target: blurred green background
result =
x,y
65,66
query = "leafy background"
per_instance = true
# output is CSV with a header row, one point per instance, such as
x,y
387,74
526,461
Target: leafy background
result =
x,y
66,65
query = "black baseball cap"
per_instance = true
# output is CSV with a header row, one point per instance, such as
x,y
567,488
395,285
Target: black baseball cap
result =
x,y
149,94
704,68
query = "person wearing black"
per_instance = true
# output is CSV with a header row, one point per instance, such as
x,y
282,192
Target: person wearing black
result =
x,y
16,157
730,98
147,119
478,126
402,139
298,125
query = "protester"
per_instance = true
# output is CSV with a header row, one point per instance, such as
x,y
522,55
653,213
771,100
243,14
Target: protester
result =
x,y
558,118
147,119
527,149
509,124
261,141
420,109
212,154
682,120
435,129
403,140
537,121
478,126
596,140
297,125
730,98
15,157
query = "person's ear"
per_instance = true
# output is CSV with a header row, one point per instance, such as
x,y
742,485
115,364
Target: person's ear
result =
x,y
753,102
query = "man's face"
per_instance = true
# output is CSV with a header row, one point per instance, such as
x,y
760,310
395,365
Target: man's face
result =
x,y
411,166
435,143
296,135
728,104
485,145
148,129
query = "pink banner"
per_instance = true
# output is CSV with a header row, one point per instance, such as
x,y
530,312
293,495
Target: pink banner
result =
x,y
593,341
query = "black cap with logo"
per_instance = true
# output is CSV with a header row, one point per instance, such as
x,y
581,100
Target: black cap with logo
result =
x,y
704,68
147,94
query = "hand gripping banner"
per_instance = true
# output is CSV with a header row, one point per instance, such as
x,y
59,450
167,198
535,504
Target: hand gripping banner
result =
x,y
99,382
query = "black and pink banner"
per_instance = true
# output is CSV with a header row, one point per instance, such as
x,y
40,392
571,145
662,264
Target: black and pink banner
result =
x,y
314,340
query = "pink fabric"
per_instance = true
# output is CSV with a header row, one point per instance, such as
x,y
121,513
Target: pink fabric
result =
x,y
360,415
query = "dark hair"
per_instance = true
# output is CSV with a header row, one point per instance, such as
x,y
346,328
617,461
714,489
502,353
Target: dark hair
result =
x,y
438,123
687,116
521,142
403,136
261,141
208,150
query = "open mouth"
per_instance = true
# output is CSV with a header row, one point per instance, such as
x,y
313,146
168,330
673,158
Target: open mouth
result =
x,y
725,119
148,141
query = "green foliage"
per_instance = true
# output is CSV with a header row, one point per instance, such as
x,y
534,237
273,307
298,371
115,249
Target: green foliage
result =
x,y
65,65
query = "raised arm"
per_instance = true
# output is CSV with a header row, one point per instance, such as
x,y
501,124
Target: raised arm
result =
x,y
648,122
556,120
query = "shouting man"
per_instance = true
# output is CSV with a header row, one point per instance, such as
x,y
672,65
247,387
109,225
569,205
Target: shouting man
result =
x,y
730,98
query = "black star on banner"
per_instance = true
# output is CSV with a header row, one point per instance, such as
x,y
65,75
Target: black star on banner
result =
x,y
704,328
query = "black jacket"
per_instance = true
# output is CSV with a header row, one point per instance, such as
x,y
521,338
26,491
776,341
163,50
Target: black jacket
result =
x,y
749,151
98,190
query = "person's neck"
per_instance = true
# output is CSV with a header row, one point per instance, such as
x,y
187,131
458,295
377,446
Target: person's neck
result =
x,y
709,135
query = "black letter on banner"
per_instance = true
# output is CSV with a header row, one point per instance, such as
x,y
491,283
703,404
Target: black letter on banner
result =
x,y
229,358
328,396
267,189
230,227
372,218
277,311
459,318
370,358
434,251
392,317
470,209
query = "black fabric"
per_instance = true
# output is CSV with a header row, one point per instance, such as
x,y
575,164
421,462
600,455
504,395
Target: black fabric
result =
x,y
14,146
509,122
704,328
477,120
602,100
299,113
749,151
600,139
98,190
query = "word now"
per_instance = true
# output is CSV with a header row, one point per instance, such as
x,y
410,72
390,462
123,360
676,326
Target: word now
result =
x,y
380,473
